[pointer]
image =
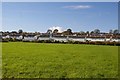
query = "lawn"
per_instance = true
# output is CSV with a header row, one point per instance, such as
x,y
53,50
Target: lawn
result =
x,y
44,60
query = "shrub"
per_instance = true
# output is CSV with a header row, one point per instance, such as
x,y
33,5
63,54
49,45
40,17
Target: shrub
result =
x,y
76,42
5,40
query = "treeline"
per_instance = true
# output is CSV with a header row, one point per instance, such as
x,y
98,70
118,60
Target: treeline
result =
x,y
63,42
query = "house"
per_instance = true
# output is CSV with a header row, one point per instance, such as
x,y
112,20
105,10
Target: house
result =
x,y
76,36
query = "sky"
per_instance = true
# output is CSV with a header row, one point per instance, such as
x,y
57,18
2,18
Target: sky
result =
x,y
41,16
59,0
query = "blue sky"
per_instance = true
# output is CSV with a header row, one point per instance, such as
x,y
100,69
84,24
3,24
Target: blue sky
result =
x,y
40,16
59,0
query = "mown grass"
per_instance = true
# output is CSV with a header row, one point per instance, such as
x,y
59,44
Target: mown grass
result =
x,y
0,60
44,60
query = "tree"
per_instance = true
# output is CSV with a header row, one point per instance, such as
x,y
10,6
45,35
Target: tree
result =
x,y
110,31
20,31
87,32
55,31
91,32
82,32
14,32
49,31
69,31
96,31
116,31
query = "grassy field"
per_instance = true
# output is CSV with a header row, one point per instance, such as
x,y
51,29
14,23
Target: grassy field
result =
x,y
42,60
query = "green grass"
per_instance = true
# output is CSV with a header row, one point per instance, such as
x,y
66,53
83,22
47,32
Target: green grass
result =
x,y
44,60
0,60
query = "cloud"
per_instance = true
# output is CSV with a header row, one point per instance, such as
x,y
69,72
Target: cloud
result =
x,y
60,29
78,7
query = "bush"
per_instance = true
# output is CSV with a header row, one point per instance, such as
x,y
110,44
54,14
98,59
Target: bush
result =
x,y
57,41
76,42
70,42
99,43
5,40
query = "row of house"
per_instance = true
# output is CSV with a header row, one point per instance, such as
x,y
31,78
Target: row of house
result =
x,y
65,38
